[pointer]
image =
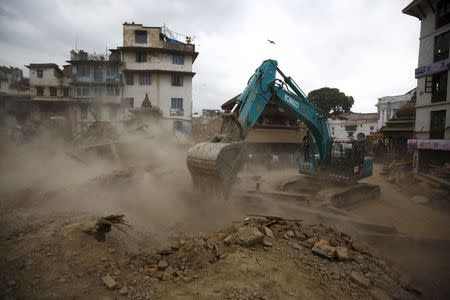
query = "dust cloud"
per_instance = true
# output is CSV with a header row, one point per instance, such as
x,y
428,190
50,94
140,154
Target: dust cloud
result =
x,y
143,175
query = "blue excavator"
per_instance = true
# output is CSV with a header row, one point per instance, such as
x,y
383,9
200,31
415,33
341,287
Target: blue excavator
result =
x,y
215,164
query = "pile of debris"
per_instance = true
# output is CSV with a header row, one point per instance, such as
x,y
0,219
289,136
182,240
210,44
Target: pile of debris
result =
x,y
261,257
320,249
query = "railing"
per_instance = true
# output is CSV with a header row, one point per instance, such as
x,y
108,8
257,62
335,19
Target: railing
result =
x,y
176,112
439,96
183,47
95,79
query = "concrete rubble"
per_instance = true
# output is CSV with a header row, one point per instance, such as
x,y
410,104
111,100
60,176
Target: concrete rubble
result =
x,y
332,256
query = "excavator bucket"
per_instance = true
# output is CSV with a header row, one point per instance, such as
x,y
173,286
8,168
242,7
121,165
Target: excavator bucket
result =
x,y
215,164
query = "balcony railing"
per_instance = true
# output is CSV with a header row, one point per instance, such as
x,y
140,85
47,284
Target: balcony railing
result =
x,y
176,112
182,47
96,79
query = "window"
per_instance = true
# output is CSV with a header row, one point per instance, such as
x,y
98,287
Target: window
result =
x,y
112,90
177,80
176,107
146,79
441,46
39,91
98,73
372,127
53,91
85,91
112,72
176,103
129,78
140,37
177,59
79,91
437,126
350,127
439,87
443,13
83,112
83,71
141,56
66,92
350,134
40,73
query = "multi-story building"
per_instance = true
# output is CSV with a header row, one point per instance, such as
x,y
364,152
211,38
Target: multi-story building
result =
x,y
349,126
151,64
432,122
49,91
159,66
96,87
46,82
389,105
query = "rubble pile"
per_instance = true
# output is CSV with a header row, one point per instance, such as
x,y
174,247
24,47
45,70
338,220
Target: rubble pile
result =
x,y
321,250
222,263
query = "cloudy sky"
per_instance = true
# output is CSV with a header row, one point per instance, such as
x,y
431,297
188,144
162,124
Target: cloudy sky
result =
x,y
366,48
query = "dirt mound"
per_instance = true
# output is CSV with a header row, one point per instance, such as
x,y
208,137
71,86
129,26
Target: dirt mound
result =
x,y
258,258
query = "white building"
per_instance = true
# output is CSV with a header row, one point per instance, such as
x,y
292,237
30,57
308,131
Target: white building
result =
x,y
349,126
389,105
433,101
156,64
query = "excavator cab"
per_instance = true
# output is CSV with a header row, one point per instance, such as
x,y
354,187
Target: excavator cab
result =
x,y
348,162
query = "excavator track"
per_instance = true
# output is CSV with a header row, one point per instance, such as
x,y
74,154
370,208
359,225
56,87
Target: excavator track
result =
x,y
322,191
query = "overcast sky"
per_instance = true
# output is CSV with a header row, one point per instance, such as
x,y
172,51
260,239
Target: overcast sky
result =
x,y
366,48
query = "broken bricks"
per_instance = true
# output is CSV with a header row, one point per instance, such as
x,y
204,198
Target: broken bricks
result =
x,y
324,249
248,236
109,281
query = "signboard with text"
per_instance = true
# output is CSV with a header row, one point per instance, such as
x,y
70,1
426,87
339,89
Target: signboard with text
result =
x,y
414,144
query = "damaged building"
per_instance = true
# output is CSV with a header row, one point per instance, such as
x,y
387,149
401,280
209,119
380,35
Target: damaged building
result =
x,y
158,65
96,88
151,65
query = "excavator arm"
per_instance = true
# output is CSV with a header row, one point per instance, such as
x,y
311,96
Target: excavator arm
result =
x,y
220,159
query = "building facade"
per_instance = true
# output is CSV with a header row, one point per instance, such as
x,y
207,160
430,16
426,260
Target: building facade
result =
x,y
96,87
432,122
350,126
389,105
159,66
49,91
151,64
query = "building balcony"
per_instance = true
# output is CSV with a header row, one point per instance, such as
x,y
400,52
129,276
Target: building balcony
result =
x,y
176,112
93,100
157,66
96,79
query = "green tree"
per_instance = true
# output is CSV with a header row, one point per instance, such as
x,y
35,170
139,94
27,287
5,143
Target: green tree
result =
x,y
331,101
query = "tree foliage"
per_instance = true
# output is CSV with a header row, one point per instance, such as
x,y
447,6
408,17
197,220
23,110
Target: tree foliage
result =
x,y
331,101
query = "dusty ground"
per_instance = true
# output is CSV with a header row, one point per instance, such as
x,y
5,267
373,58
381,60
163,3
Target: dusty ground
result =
x,y
48,197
